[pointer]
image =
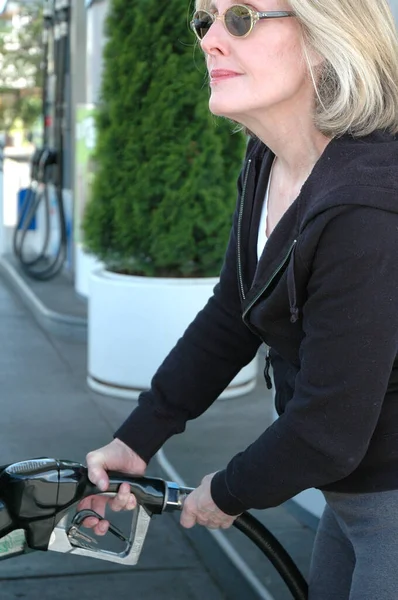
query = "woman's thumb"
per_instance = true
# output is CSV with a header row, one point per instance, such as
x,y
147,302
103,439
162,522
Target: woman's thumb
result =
x,y
96,473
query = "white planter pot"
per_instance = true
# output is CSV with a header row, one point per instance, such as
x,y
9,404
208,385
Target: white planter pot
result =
x,y
85,264
134,322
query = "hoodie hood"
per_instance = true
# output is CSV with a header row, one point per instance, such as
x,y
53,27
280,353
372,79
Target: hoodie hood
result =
x,y
352,171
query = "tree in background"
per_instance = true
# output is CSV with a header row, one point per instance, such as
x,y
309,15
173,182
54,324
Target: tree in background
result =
x,y
164,189
21,57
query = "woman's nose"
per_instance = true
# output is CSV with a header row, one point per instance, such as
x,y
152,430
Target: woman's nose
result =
x,y
216,39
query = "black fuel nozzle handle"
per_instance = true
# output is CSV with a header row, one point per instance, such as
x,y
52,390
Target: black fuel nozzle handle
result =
x,y
39,496
38,493
42,159
151,492
42,487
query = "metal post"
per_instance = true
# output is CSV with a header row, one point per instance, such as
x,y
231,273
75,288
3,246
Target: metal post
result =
x,y
78,71
95,40
2,226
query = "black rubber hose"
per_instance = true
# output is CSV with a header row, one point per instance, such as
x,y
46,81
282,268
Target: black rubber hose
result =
x,y
276,554
47,26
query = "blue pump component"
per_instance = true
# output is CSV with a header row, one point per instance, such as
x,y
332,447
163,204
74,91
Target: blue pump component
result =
x,y
25,201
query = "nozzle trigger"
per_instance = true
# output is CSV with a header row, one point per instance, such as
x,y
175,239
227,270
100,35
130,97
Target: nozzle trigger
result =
x,y
86,513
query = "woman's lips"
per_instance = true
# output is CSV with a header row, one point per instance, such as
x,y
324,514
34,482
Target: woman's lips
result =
x,y
222,74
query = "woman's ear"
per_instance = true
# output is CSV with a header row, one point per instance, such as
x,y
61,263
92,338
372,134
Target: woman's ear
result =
x,y
314,58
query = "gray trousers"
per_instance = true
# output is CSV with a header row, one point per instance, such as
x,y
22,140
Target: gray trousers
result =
x,y
355,553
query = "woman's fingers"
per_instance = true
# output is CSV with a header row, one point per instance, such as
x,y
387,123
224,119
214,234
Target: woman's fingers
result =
x,y
98,505
90,522
101,528
124,500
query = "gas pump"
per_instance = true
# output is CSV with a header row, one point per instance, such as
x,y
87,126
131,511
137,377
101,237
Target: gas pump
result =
x,y
44,198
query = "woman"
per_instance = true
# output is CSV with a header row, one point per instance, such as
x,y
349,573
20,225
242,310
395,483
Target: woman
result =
x,y
312,267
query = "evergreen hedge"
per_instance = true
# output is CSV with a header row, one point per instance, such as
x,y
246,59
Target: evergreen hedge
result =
x,y
165,183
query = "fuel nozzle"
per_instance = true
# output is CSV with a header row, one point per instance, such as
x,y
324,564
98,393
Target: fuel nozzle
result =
x,y
34,498
154,496
41,497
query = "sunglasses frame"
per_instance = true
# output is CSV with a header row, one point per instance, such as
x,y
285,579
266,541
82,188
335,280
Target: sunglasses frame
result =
x,y
255,16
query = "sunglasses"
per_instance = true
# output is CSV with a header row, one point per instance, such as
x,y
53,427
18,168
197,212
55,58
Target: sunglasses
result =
x,y
238,20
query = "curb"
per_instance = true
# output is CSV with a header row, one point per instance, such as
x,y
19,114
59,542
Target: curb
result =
x,y
52,321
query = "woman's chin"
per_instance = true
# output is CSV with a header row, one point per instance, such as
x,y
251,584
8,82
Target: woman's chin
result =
x,y
221,109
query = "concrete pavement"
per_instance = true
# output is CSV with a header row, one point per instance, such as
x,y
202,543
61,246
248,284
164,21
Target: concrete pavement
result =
x,y
65,419
46,410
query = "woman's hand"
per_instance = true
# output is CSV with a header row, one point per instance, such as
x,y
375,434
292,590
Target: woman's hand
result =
x,y
115,456
199,508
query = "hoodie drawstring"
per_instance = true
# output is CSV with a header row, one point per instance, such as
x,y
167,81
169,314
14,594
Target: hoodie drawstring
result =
x,y
267,376
292,292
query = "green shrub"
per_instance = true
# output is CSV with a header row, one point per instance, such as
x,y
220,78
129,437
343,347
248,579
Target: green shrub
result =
x,y
165,183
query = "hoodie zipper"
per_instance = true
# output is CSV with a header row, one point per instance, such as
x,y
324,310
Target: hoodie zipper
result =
x,y
270,280
267,376
240,276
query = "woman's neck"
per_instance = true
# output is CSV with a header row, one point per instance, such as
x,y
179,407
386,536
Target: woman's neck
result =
x,y
292,136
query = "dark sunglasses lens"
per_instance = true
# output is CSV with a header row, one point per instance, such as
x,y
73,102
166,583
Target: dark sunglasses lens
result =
x,y
201,23
238,20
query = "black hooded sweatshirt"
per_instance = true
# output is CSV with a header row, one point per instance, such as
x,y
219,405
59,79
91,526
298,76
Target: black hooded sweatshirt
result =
x,y
324,298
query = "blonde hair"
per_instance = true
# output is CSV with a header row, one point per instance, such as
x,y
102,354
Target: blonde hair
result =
x,y
356,84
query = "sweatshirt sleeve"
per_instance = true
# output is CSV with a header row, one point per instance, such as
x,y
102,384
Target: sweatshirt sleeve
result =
x,y
350,322
211,352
